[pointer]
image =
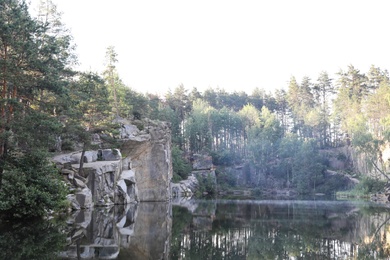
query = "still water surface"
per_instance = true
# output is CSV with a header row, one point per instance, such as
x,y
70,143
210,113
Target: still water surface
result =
x,y
212,229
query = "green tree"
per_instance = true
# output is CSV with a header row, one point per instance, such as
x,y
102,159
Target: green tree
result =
x,y
89,111
31,186
324,90
257,98
264,140
352,88
282,109
117,89
111,76
180,103
307,168
197,128
33,61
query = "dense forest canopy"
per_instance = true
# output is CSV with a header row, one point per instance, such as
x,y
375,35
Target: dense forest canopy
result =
x,y
44,103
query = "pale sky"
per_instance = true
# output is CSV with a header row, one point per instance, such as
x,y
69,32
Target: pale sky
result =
x,y
234,45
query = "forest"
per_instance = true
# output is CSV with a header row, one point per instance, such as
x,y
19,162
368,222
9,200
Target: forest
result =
x,y
277,136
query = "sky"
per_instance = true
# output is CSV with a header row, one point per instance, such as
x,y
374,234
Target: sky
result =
x,y
232,45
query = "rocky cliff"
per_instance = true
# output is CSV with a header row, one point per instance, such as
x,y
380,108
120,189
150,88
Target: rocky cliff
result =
x,y
141,170
149,155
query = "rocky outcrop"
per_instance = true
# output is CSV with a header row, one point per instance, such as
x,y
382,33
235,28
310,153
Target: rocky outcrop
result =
x,y
348,157
202,162
99,183
185,188
203,168
140,171
149,154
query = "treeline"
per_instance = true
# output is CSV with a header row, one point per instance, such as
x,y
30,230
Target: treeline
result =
x,y
282,133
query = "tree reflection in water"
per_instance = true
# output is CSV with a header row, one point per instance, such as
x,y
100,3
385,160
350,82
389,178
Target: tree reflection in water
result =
x,y
207,230
281,230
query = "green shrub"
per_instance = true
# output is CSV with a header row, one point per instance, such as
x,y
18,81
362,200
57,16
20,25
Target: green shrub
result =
x,y
369,185
36,239
206,185
31,187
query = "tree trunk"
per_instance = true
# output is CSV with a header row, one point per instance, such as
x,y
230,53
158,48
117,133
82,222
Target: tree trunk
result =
x,y
81,165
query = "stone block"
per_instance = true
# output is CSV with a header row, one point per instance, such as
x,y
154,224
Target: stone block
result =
x,y
110,154
84,198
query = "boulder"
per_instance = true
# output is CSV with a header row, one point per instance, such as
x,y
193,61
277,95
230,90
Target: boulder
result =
x,y
67,172
110,155
128,131
73,202
90,156
78,183
84,198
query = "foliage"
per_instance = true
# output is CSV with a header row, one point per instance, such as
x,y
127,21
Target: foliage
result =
x,y
307,168
35,239
181,168
31,186
224,157
225,178
369,185
206,185
279,133
46,130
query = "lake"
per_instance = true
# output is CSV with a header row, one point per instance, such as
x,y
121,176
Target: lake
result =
x,y
208,229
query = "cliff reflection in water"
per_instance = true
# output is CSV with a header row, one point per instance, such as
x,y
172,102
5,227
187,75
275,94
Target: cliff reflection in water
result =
x,y
231,230
281,230
135,231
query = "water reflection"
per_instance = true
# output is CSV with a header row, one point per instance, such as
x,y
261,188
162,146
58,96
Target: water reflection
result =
x,y
281,230
207,230
135,231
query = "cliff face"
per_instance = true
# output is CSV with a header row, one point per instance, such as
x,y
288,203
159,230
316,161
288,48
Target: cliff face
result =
x,y
149,153
140,171
362,163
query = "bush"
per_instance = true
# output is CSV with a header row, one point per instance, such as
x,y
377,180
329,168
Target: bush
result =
x,y
369,185
206,185
31,187
35,239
